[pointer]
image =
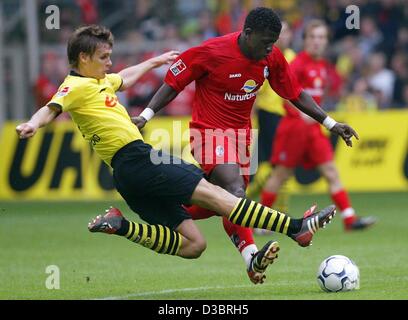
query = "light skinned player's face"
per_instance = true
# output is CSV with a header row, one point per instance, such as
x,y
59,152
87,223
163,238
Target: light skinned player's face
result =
x,y
97,65
316,41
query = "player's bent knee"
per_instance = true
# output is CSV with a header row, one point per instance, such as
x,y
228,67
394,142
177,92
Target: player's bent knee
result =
x,y
197,248
206,192
201,246
284,175
213,197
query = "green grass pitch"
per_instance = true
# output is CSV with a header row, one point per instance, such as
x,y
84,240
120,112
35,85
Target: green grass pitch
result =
x,y
34,235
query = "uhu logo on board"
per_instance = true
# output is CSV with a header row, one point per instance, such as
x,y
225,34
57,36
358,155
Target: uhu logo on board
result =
x,y
59,164
370,152
52,166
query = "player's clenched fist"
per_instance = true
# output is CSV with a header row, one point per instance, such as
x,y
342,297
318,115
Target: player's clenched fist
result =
x,y
26,130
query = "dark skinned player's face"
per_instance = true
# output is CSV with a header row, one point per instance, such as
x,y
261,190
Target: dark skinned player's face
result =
x,y
260,43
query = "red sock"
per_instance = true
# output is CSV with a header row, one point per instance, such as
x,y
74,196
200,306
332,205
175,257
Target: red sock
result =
x,y
240,236
268,198
342,201
198,213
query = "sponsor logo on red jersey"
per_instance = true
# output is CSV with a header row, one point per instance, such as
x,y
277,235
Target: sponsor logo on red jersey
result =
x,y
248,87
178,67
266,72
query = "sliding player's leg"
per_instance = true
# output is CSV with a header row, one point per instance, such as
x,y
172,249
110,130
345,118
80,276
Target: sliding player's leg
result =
x,y
170,229
154,185
249,213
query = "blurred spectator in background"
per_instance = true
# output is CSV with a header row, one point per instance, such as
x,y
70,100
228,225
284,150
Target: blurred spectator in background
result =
x,y
370,37
89,11
231,16
53,69
399,65
146,21
333,90
47,82
389,16
402,40
206,25
335,15
350,59
404,102
360,99
380,79
157,25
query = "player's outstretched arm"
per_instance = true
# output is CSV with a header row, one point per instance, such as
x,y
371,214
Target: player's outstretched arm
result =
x,y
132,74
42,117
306,104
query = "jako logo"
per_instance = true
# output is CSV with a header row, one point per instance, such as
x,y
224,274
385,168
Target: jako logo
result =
x,y
249,86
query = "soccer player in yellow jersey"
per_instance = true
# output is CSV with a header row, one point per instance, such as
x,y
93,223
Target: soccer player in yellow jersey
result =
x,y
153,188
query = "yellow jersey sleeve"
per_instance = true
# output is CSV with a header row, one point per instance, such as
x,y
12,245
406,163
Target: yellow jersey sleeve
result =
x,y
97,112
68,97
269,100
289,55
115,80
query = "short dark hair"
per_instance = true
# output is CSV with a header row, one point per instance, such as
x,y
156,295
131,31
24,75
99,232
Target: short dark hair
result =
x,y
261,19
86,39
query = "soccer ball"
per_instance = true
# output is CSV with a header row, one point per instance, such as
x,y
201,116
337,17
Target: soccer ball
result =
x,y
338,273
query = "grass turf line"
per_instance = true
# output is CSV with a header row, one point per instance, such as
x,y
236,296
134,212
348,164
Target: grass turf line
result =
x,y
34,235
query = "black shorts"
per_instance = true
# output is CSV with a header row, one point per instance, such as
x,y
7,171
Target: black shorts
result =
x,y
268,123
154,183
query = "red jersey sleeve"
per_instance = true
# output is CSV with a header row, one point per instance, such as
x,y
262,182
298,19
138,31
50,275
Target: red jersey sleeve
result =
x,y
189,66
282,80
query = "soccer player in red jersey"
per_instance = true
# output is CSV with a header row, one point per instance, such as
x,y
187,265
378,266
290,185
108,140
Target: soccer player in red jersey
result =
x,y
228,71
300,140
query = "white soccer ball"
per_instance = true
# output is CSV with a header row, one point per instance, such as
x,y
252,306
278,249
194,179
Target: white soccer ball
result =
x,y
338,273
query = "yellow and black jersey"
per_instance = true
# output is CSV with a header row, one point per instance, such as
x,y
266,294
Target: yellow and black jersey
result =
x,y
269,100
95,109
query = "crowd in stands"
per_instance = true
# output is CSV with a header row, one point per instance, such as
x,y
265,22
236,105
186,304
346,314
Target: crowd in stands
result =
x,y
371,62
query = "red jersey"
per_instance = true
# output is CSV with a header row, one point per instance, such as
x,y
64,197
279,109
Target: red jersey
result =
x,y
227,81
312,75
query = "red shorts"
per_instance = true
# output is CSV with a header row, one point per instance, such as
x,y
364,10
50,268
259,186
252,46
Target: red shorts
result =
x,y
213,147
298,143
